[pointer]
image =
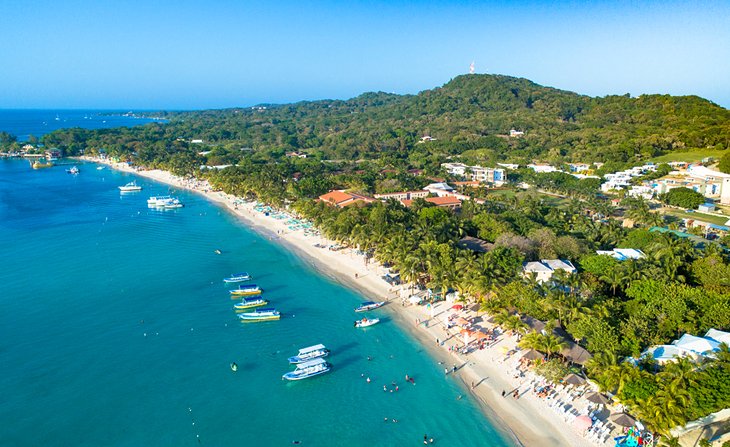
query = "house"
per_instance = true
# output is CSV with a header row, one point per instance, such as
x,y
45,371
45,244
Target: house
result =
x,y
515,133
427,138
544,269
667,353
706,208
342,199
28,147
457,169
407,195
718,336
296,154
476,173
451,203
541,168
196,141
508,165
579,167
440,189
698,345
622,254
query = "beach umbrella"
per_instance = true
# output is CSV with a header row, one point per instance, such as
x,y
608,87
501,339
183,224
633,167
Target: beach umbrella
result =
x,y
572,379
582,423
531,355
457,307
597,398
623,419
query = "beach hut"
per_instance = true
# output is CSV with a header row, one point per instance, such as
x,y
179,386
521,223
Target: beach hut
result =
x,y
575,380
467,334
582,423
597,398
532,355
622,419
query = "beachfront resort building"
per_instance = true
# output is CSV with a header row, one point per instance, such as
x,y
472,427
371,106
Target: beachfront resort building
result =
x,y
476,173
690,346
341,199
449,202
543,270
406,195
622,254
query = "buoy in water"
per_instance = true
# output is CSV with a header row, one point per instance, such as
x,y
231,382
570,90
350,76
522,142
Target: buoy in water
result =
x,y
234,367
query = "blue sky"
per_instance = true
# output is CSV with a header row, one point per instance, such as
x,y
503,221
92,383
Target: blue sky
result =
x,y
209,54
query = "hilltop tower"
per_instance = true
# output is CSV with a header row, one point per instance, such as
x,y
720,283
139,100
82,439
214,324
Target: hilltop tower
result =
x,y
471,68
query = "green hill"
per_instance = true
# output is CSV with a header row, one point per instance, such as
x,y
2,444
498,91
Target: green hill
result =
x,y
471,113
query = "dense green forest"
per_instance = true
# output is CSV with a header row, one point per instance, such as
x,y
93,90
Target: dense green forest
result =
x,y
471,115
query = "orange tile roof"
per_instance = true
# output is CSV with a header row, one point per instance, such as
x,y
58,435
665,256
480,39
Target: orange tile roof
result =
x,y
336,197
438,201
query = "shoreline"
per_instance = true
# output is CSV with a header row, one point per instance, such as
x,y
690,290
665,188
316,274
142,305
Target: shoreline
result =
x,y
526,421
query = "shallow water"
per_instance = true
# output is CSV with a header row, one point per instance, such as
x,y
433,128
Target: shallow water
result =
x,y
117,330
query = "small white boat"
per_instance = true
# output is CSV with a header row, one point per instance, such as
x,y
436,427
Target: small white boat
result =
x,y
369,305
249,304
237,277
131,186
74,170
154,200
309,353
260,315
365,322
100,168
169,204
308,369
251,289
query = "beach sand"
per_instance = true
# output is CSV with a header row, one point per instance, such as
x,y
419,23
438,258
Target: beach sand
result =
x,y
528,420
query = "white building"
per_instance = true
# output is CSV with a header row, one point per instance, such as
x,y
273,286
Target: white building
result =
x,y
545,269
476,173
542,168
515,133
622,254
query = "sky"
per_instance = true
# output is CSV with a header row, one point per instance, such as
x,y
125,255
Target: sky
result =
x,y
214,54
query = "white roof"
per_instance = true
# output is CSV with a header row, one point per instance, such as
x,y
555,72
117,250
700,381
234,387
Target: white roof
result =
x,y
311,348
314,362
720,336
702,171
536,267
663,353
629,253
558,264
441,185
699,345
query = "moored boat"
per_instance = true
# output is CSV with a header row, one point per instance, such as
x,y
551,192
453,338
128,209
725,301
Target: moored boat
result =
x,y
74,170
237,277
365,322
309,353
38,165
250,304
308,369
260,315
369,305
131,186
171,203
247,290
155,200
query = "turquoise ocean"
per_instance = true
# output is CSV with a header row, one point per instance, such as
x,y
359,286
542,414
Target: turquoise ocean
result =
x,y
117,330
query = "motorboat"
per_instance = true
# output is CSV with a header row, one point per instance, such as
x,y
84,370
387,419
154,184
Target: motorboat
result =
x,y
131,186
247,290
100,168
237,277
365,322
308,369
74,170
260,315
155,200
38,165
309,353
249,304
369,305
171,203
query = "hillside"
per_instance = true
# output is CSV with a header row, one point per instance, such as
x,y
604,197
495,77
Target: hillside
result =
x,y
470,113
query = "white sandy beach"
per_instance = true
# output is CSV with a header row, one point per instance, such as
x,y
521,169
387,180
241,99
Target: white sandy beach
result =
x,y
529,418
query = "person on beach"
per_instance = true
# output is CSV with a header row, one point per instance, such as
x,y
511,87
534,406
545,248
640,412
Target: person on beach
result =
x,y
504,393
446,371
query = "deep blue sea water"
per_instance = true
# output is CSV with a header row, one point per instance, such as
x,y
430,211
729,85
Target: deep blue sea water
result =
x,y
37,122
117,330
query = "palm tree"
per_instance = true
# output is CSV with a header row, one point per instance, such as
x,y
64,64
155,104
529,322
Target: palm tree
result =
x,y
666,409
615,278
552,344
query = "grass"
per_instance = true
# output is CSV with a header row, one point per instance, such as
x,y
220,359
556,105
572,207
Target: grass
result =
x,y
690,156
698,216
